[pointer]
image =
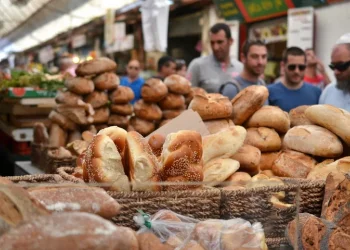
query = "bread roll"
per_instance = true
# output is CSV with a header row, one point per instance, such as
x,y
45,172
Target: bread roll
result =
x,y
147,111
103,163
77,147
58,137
142,126
238,179
153,90
218,170
88,135
193,245
194,91
172,101
77,114
122,95
143,164
268,173
97,99
178,84
314,140
122,109
211,106
63,121
74,135
270,117
118,120
95,66
101,115
156,142
67,97
148,241
106,81
182,159
248,158
334,119
223,144
297,116
170,114
267,160
118,136
321,171
76,198
247,102
40,134
265,139
215,126
73,230
293,164
79,85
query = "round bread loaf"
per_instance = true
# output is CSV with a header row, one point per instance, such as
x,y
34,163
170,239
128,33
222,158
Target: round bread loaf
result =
x,y
68,98
107,81
211,106
194,91
118,120
267,160
297,116
142,126
265,139
238,179
122,109
95,66
178,84
270,117
79,85
247,102
215,126
248,158
170,114
293,164
153,90
314,140
334,119
156,142
218,170
172,101
147,111
101,115
122,95
63,121
97,99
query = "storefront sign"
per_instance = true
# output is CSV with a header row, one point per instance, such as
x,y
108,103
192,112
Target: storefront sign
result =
x,y
228,10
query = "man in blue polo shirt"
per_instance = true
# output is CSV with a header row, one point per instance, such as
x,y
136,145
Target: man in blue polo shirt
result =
x,y
133,80
292,91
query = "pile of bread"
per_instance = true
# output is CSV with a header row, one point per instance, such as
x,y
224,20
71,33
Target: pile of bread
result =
x,y
85,102
309,142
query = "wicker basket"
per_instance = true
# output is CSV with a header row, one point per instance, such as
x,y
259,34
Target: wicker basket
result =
x,y
43,156
37,179
53,162
199,204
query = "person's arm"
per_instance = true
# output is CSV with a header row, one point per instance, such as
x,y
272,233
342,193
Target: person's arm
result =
x,y
322,70
193,73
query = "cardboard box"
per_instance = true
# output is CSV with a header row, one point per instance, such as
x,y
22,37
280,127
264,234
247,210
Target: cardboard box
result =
x,y
28,93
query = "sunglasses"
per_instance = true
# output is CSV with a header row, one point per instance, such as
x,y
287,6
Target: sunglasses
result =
x,y
292,67
340,66
135,68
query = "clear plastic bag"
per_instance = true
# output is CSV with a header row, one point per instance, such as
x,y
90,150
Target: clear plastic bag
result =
x,y
183,232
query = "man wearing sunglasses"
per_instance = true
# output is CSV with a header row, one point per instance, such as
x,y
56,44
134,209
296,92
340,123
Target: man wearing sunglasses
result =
x,y
338,94
292,91
133,80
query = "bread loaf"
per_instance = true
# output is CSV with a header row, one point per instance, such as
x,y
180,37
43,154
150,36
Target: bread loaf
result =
x,y
147,111
40,135
101,115
270,117
97,99
293,164
332,183
297,116
194,91
178,84
118,120
103,163
156,142
218,170
265,139
238,179
77,114
122,109
182,159
118,136
314,140
95,66
63,121
58,137
73,230
172,101
107,81
211,106
88,136
68,98
170,114
142,126
193,245
79,85
267,160
321,171
334,119
247,102
148,241
215,126
77,147
122,95
153,90
248,158
223,144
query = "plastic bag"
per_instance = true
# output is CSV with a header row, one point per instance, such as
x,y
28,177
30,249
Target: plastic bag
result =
x,y
183,232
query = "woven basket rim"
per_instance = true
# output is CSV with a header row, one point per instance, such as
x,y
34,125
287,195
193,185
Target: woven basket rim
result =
x,y
35,177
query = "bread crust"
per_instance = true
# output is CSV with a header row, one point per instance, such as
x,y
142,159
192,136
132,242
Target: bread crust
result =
x,y
122,95
106,81
95,66
178,84
147,111
153,90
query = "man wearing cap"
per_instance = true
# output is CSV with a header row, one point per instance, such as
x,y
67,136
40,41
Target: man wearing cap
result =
x,y
338,93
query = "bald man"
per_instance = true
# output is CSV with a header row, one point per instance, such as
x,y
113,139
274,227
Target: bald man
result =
x,y
338,93
133,80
